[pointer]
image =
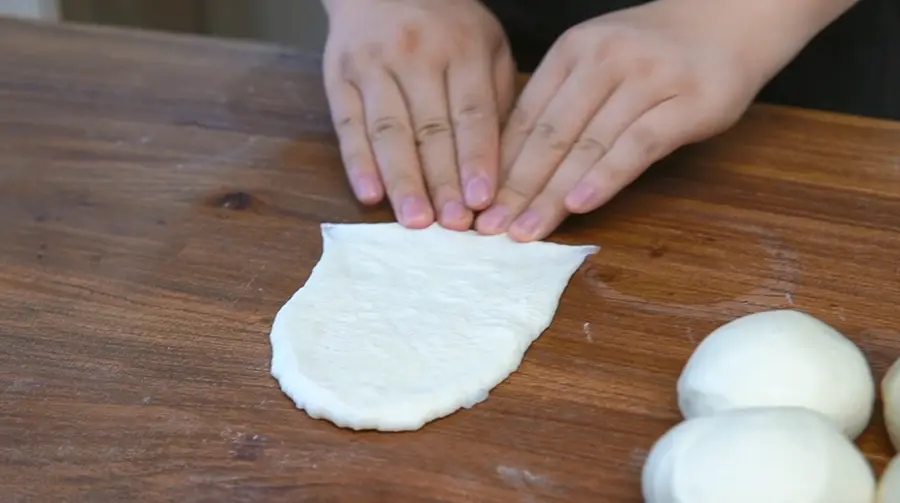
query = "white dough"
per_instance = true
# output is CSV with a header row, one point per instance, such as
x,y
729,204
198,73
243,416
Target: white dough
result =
x,y
396,327
779,358
889,486
765,455
890,395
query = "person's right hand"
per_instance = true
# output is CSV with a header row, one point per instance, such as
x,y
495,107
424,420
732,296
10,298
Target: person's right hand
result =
x,y
417,90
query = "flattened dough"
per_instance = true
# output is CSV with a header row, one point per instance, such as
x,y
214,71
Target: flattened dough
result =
x,y
395,327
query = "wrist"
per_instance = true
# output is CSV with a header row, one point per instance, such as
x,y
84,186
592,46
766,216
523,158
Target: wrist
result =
x,y
765,35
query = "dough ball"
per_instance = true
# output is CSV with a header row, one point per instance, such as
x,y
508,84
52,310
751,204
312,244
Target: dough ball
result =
x,y
889,487
780,358
890,392
771,455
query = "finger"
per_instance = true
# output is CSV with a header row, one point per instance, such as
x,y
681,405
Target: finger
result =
x,y
626,104
547,210
505,83
348,117
538,92
555,132
654,135
476,125
426,95
390,134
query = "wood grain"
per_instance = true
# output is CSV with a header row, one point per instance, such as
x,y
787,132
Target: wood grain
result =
x,y
160,199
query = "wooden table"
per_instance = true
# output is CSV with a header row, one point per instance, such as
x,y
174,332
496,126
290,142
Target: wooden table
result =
x,y
160,199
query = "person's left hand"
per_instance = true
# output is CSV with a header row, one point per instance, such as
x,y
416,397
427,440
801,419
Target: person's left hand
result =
x,y
614,95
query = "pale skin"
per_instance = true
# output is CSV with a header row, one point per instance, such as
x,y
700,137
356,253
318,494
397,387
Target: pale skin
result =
x,y
422,94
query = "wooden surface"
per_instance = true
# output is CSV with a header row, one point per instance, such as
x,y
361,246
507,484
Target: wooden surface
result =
x,y
160,199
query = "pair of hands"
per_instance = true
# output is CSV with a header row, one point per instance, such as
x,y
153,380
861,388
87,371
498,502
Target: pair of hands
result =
x,y
422,95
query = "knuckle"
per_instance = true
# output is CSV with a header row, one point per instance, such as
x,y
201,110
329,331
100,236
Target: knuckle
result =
x,y
554,194
472,111
457,50
573,38
647,142
645,68
549,136
545,131
515,191
463,32
521,188
347,66
417,43
347,124
464,41
590,146
400,184
432,129
617,47
604,51
442,184
409,38
387,127
518,120
373,51
686,82
612,47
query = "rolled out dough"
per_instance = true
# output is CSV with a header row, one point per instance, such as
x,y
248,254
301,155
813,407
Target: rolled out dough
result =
x,y
396,327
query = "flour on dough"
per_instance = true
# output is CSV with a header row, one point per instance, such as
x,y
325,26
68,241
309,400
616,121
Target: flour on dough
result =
x,y
396,327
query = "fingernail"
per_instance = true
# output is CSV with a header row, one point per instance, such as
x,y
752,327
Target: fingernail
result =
x,y
478,191
526,225
580,197
453,212
493,220
414,211
366,187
